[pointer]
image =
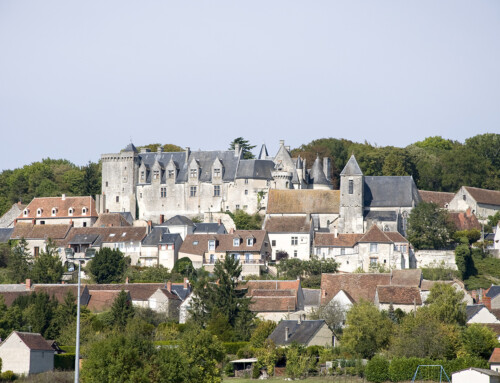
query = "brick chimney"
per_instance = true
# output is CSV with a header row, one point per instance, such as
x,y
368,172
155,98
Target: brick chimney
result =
x,y
126,280
186,283
219,222
169,286
28,284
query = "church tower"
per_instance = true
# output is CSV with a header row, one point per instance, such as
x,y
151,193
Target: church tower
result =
x,y
351,198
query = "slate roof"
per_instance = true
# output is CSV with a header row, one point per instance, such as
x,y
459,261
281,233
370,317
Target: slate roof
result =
x,y
495,356
159,235
111,219
400,295
178,220
130,148
303,201
105,234
312,297
197,244
493,291
472,310
263,152
464,221
382,216
5,234
170,294
317,175
390,191
342,240
358,286
287,224
256,169
62,206
351,168
83,239
34,341
209,228
484,196
439,198
407,277
182,293
301,333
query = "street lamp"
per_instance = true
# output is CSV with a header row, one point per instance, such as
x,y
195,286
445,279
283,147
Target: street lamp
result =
x,y
72,259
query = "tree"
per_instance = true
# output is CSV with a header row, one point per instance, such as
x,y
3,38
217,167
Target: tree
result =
x,y
122,310
245,221
368,330
107,266
429,227
298,361
245,147
184,267
479,340
333,313
263,329
464,261
446,304
19,264
47,267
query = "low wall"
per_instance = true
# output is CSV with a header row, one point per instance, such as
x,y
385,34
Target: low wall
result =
x,y
435,258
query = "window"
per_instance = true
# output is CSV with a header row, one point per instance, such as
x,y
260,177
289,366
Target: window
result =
x,y
248,257
464,197
249,241
373,262
125,179
273,242
237,207
246,192
212,258
163,192
295,241
195,243
140,195
106,183
193,173
192,191
42,222
342,251
25,212
117,198
403,248
85,224
54,211
295,253
217,172
36,251
351,186
84,211
142,176
71,210
245,207
38,212
156,174
170,174
236,256
217,191
373,248
246,181
211,244
236,241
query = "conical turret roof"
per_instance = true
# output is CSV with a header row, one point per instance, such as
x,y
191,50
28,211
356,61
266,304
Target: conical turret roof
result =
x,y
317,175
130,148
351,168
263,152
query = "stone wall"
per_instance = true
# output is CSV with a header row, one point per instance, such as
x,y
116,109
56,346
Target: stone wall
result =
x,y
435,258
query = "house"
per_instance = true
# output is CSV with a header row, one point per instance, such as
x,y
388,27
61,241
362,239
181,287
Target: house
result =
x,y
405,298
60,292
494,360
102,300
290,236
5,234
37,236
243,367
7,220
491,298
111,220
481,202
251,247
480,314
465,220
26,353
160,247
304,332
442,199
275,299
78,211
476,375
139,292
165,300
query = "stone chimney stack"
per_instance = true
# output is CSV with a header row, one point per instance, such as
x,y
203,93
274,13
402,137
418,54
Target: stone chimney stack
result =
x,y
286,333
63,197
188,151
236,150
186,283
169,286
28,284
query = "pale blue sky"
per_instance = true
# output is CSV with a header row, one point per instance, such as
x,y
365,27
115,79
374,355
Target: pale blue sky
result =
x,y
80,78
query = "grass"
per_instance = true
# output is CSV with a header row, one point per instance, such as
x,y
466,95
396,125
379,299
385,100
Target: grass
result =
x,y
50,377
315,379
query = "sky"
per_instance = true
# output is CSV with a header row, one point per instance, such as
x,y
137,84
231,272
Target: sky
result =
x,y
83,78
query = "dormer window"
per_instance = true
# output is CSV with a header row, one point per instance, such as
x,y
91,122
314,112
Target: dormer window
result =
x,y
193,173
171,173
250,241
71,211
211,245
236,241
143,175
156,174
84,211
39,212
464,197
54,211
25,212
217,172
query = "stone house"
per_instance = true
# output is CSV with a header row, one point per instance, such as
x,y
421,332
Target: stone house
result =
x,y
479,313
160,247
304,332
164,300
481,202
290,236
251,247
78,211
26,353
405,298
8,219
37,236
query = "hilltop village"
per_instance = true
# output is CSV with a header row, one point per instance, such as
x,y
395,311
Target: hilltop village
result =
x,y
281,264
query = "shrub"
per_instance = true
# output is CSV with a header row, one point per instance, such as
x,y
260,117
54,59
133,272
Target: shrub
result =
x,y
229,369
255,371
64,361
233,347
246,351
377,369
70,349
8,376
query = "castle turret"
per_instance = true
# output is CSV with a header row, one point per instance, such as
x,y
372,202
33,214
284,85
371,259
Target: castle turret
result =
x,y
317,178
351,198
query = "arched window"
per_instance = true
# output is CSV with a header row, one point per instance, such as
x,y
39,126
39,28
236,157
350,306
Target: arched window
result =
x,y
25,212
70,211
54,211
84,211
39,212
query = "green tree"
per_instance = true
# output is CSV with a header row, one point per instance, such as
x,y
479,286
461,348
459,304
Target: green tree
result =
x,y
107,266
122,310
464,261
263,329
377,369
298,362
169,366
47,268
19,262
436,142
447,304
429,227
367,331
479,340
245,147
184,267
245,221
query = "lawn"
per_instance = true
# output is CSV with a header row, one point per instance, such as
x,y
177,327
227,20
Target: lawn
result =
x,y
317,379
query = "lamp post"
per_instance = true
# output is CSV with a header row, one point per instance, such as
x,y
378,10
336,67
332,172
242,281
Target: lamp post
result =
x,y
70,256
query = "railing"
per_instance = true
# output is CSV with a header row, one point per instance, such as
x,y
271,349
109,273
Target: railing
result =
x,y
242,261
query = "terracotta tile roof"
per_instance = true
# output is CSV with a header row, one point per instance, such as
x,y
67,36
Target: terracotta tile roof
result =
x,y
272,285
62,207
407,277
22,230
294,224
358,286
108,234
400,295
303,201
272,295
342,240
29,231
495,356
34,341
464,221
439,198
138,291
102,300
374,234
10,296
273,303
58,291
111,219
198,243
395,236
496,313
484,196
170,294
494,326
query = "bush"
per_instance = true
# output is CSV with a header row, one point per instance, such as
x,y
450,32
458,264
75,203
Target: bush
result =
x,y
377,369
255,371
70,349
404,368
233,347
64,361
8,376
229,369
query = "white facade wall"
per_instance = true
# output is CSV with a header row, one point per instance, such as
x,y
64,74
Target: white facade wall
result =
x,y
472,376
129,249
435,258
324,337
119,177
283,242
41,361
483,316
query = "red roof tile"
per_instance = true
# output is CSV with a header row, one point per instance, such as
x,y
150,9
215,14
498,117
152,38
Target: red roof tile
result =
x,y
399,295
198,243
375,235
294,224
439,198
464,221
34,341
102,300
407,277
358,286
484,196
62,206
342,240
303,201
495,356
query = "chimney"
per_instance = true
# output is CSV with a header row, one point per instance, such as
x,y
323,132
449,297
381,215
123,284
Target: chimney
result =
x,y
188,151
335,233
150,223
71,222
219,222
159,149
169,286
287,148
28,284
282,143
231,231
126,280
299,321
186,283
63,197
236,150
468,212
286,334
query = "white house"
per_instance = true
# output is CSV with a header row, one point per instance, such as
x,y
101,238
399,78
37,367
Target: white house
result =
x,y
26,353
480,314
291,235
475,375
482,202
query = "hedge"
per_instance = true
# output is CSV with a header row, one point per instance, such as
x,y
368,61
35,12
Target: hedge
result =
x,y
64,361
377,369
70,349
166,342
233,347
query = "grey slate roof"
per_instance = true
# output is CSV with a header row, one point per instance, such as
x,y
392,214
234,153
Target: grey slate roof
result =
x,y
178,220
128,217
153,238
83,239
5,234
351,168
317,175
256,169
209,228
493,291
382,216
263,153
181,291
312,297
130,148
473,310
387,191
301,333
